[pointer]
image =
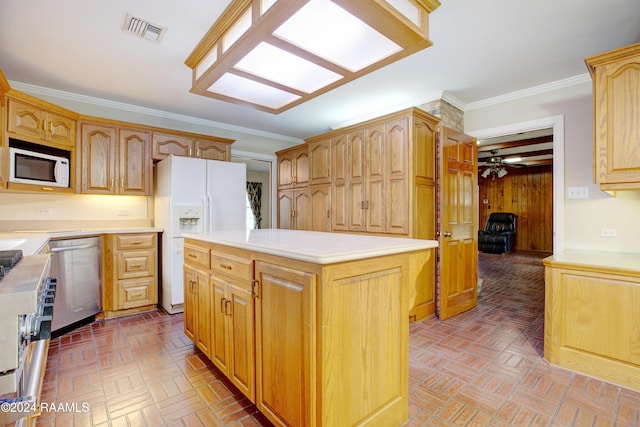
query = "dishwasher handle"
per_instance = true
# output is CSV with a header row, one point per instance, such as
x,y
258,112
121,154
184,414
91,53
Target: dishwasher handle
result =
x,y
73,248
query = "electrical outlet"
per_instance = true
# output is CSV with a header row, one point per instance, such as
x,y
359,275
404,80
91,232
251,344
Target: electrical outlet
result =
x,y
123,212
43,212
608,232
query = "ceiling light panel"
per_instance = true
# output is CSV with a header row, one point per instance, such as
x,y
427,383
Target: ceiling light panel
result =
x,y
247,90
347,41
280,66
408,9
275,54
237,30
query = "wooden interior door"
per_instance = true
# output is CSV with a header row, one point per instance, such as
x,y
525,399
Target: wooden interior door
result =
x,y
458,241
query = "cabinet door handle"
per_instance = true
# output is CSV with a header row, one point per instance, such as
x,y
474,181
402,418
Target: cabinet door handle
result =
x,y
362,205
192,256
254,288
194,288
226,266
223,304
136,242
136,265
227,308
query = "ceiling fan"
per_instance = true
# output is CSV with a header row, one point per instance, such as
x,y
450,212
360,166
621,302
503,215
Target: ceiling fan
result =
x,y
496,166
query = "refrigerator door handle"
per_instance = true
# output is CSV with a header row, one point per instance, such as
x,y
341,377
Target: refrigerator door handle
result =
x,y
207,213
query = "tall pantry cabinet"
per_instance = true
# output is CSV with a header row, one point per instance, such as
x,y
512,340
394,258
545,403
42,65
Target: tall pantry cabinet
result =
x,y
377,177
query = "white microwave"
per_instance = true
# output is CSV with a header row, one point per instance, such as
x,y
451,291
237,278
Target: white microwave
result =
x,y
33,167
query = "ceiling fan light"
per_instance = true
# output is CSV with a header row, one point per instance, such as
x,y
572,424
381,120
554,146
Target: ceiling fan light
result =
x,y
486,172
513,160
501,172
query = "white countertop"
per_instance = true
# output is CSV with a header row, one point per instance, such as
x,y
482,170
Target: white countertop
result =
x,y
32,241
19,289
619,261
314,246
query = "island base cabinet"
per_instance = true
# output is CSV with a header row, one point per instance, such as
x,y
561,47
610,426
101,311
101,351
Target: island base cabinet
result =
x,y
332,342
285,319
363,342
316,344
592,324
232,322
197,291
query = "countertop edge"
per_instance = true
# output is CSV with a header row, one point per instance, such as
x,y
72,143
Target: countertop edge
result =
x,y
413,246
626,263
36,240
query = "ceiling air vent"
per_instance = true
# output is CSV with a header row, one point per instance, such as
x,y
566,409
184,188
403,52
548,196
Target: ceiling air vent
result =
x,y
143,28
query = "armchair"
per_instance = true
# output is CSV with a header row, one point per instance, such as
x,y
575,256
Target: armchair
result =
x,y
499,234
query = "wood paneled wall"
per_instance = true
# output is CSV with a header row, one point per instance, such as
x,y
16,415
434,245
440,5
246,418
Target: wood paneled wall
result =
x,y
528,193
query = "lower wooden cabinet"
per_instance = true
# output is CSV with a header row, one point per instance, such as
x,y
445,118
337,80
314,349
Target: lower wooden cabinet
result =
x,y
130,273
197,308
233,333
310,344
592,317
285,319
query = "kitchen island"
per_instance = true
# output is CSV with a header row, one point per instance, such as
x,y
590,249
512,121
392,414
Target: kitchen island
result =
x,y
312,327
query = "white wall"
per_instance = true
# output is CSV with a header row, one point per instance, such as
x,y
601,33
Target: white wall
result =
x,y
23,211
584,218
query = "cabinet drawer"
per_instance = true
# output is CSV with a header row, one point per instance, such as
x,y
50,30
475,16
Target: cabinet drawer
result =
x,y
197,255
133,264
136,241
232,265
137,293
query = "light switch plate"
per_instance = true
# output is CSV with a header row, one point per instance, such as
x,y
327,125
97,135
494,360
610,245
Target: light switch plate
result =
x,y
578,193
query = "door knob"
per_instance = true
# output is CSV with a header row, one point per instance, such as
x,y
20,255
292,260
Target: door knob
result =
x,y
447,234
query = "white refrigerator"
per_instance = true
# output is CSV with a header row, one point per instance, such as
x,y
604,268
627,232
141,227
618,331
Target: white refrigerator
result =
x,y
194,196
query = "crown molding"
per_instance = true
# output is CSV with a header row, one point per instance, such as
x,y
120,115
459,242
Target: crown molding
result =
x,y
444,95
42,91
535,90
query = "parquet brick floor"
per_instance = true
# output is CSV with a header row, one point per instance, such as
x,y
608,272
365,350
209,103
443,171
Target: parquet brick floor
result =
x,y
480,368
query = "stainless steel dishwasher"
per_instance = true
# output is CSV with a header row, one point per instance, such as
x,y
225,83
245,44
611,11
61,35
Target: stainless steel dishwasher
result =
x,y
77,264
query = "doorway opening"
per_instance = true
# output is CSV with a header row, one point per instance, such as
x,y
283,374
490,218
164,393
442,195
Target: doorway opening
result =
x,y
260,207
556,124
515,176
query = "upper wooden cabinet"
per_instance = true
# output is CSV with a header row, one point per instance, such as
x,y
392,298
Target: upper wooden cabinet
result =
x,y
383,175
188,145
40,124
320,162
115,160
35,121
616,120
293,167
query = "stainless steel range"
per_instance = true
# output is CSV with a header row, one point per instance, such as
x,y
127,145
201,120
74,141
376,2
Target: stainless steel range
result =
x,y
26,308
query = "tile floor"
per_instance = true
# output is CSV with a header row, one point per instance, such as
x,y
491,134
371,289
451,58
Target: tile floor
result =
x,y
481,368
